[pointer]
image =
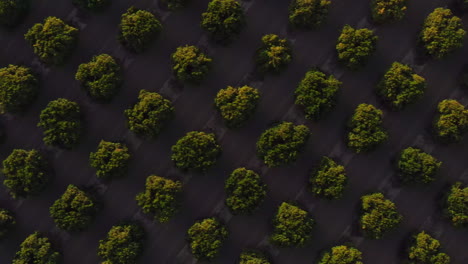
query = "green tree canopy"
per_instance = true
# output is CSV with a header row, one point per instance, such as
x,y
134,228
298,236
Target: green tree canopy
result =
x,y
26,173
53,40
101,77
388,10
329,179
190,64
342,255
308,14
253,257
138,29
355,46
442,33
365,128
274,54
236,105
123,244
18,87
457,205
417,166
61,123
110,159
160,198
174,4
37,249
292,226
316,93
206,238
7,222
426,250
93,5
245,191
451,122
12,12
224,20
379,215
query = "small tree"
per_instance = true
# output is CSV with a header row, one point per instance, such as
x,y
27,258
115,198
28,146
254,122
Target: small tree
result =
x,y
355,46
236,105
457,206
160,198
274,54
329,179
224,20
379,215
308,14
101,77
316,93
388,11
7,222
123,244
206,238
442,33
245,191
196,151
426,249
451,122
18,88
253,257
416,166
365,128
12,12
110,159
292,226
26,173
138,29
190,64
37,249
93,5
61,123
174,5
52,40
342,255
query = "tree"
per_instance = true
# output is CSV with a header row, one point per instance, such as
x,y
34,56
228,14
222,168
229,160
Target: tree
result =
x,y
274,54
93,5
329,179
355,46
53,40
12,12
426,250
61,122
379,215
224,20
282,144
457,205
138,29
206,238
442,33
308,14
316,93
74,210
245,191
37,249
388,11
400,86
451,122
190,64
174,5
252,257
101,77
110,159
416,166
365,128
196,151
18,87
123,244
236,105
7,222
149,115
292,226
160,198
342,255
26,173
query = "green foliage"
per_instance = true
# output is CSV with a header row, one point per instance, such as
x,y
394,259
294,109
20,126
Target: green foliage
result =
x,y
274,54
25,172
196,151
342,255
442,33
190,64
236,105
12,12
282,144
138,29
7,222
206,238
416,166
160,198
94,5
101,77
355,46
174,4
426,250
316,93
224,20
52,40
110,159
329,180
457,205
123,244
451,122
379,215
150,115
292,226
245,191
250,257
388,10
365,128
37,249
308,14
61,122
18,88
74,210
